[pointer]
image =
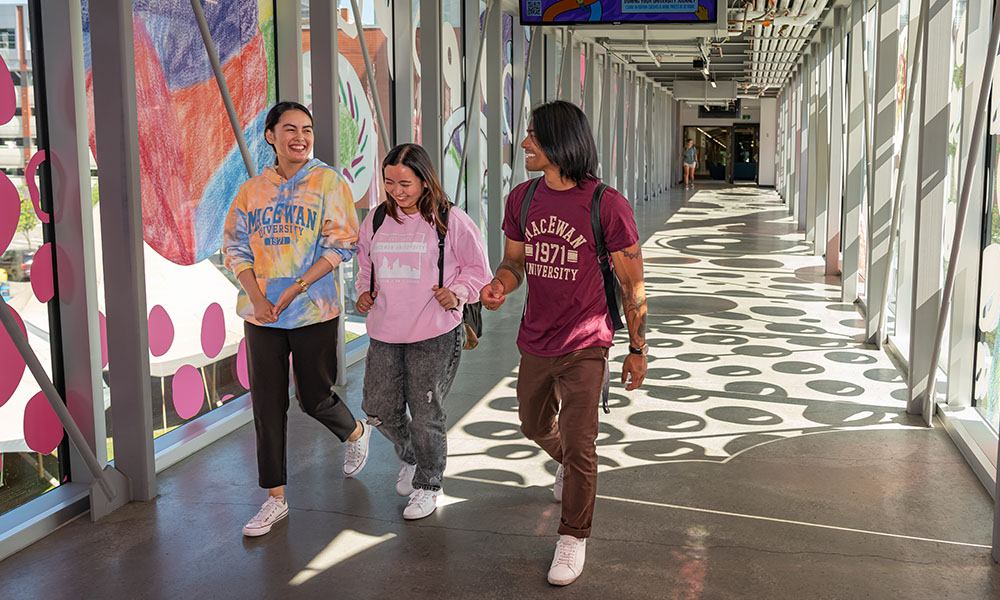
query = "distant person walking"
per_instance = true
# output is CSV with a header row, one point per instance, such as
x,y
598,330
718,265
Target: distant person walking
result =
x,y
567,327
412,244
690,156
287,231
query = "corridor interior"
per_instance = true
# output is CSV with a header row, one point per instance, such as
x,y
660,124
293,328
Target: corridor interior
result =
x,y
768,455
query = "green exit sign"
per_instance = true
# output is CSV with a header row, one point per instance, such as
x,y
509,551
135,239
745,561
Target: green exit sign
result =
x,y
746,117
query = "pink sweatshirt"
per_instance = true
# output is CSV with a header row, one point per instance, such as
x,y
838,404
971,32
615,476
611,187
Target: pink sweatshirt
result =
x,y
405,256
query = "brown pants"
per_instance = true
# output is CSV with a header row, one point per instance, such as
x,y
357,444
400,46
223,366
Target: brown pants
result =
x,y
558,399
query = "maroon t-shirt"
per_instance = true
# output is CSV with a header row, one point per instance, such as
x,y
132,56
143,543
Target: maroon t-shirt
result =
x,y
567,309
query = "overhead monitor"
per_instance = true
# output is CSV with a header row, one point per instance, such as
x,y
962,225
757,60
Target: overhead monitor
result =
x,y
603,12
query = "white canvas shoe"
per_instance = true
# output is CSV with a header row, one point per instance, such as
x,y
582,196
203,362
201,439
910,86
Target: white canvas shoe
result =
x,y
567,564
270,513
357,452
404,483
422,503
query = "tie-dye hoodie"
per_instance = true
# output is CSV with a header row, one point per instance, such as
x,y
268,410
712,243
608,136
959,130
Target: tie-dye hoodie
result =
x,y
280,227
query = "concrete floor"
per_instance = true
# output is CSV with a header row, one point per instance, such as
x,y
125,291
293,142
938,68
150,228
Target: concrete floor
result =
x,y
768,456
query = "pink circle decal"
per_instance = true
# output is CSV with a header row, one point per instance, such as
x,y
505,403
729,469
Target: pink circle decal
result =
x,y
8,100
10,358
41,274
242,372
42,429
213,330
102,323
10,209
161,331
188,391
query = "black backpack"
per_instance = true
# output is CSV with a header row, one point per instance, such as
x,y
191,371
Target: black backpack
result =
x,y
472,314
612,287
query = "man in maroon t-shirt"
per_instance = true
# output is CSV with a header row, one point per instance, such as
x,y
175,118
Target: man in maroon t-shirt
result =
x,y
566,330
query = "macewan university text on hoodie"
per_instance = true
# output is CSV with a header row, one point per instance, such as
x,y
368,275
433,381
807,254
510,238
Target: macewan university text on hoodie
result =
x,y
280,227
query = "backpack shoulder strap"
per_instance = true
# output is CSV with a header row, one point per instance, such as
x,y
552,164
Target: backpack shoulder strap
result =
x,y
444,219
379,218
376,223
526,203
604,257
595,220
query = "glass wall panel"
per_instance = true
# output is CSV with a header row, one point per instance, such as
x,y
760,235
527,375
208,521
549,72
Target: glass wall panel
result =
x,y
191,169
30,434
987,368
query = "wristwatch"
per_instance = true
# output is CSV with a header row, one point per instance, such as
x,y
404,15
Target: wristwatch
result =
x,y
640,350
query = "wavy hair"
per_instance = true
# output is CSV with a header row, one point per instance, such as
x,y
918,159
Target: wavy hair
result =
x,y
432,202
563,133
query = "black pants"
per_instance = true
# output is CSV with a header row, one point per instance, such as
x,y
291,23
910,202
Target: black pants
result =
x,y
314,358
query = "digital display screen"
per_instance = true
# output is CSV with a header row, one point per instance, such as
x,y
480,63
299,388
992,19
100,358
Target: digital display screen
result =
x,y
593,12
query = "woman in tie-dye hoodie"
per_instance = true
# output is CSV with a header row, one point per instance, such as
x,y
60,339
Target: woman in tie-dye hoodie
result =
x,y
287,231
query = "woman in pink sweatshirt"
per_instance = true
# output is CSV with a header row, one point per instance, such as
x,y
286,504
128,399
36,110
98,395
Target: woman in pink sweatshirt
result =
x,y
414,322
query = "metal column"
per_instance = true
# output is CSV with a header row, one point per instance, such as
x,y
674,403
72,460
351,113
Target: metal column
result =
x,y
402,35
932,167
619,151
882,157
117,132
641,130
520,72
606,119
323,19
551,57
494,133
811,135
432,124
68,161
823,142
856,165
288,58
835,175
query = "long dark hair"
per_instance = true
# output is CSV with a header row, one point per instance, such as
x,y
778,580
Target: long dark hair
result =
x,y
563,133
433,202
274,115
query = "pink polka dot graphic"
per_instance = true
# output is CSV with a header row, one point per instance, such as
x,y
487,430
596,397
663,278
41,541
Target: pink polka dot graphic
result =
x,y
161,331
10,210
242,372
213,330
41,274
102,322
188,391
42,429
10,358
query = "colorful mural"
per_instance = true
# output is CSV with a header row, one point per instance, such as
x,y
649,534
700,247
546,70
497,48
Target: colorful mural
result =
x,y
190,164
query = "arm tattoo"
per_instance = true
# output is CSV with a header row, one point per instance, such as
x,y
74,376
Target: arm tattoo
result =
x,y
633,256
517,276
634,302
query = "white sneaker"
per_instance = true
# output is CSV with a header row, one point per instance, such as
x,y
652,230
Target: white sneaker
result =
x,y
404,483
270,513
357,452
422,503
567,564
558,485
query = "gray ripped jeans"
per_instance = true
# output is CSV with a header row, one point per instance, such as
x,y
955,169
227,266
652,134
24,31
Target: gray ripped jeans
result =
x,y
417,376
